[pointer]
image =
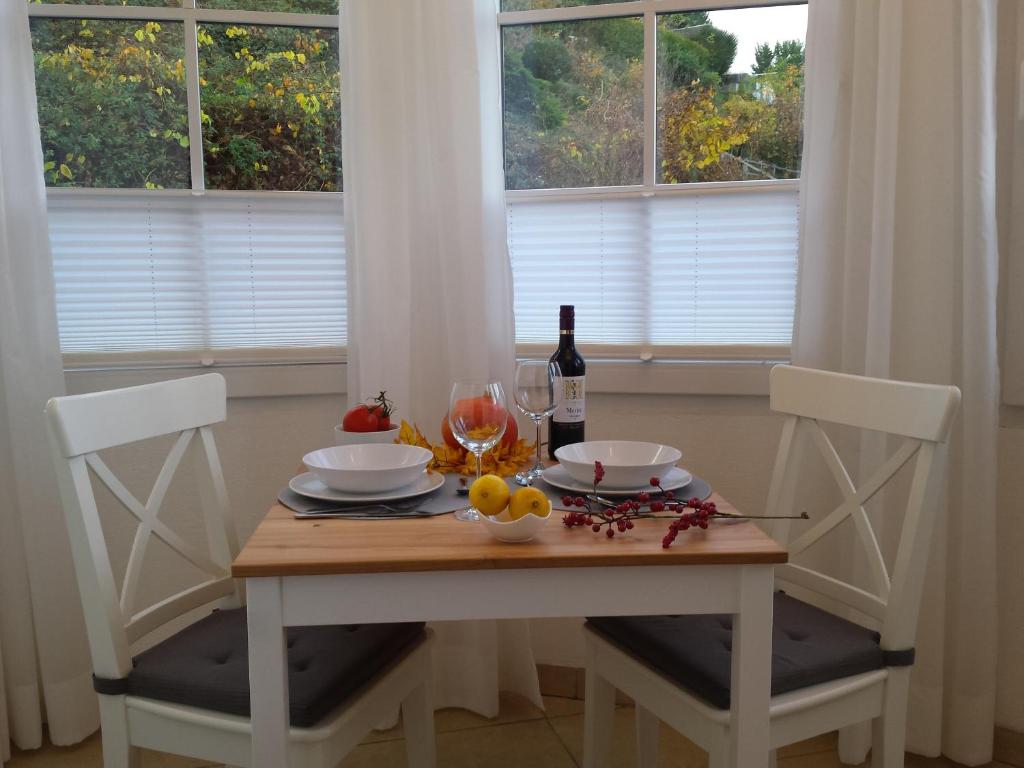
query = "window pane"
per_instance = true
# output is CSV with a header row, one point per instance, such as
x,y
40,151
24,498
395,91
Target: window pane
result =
x,y
701,268
730,94
111,97
280,6
529,5
270,111
142,272
573,103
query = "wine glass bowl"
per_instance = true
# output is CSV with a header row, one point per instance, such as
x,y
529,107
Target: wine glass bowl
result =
x,y
538,392
477,417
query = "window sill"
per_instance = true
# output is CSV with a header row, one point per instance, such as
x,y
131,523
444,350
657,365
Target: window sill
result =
x,y
328,377
243,379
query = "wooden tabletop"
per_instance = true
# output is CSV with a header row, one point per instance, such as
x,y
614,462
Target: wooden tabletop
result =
x,y
284,546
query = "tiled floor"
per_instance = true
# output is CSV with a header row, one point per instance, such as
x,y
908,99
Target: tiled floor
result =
x,y
521,735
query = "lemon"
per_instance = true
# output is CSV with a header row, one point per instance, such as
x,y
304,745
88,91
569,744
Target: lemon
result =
x,y
489,495
529,501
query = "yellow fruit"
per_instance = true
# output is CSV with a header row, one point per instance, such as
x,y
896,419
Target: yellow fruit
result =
x,y
529,501
489,494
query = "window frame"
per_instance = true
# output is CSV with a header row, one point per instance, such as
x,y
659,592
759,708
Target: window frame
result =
x,y
257,371
648,369
719,355
190,17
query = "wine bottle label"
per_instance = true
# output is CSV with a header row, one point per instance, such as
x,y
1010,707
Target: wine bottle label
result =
x,y
572,408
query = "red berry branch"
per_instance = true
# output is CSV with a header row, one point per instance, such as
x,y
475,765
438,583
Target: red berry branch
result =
x,y
598,512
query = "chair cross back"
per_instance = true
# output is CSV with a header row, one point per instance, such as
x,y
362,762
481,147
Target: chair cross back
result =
x,y
82,425
920,413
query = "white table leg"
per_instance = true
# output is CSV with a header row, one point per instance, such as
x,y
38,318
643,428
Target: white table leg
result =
x,y
751,668
268,673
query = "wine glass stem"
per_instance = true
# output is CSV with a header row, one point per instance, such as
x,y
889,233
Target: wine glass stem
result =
x,y
537,422
479,461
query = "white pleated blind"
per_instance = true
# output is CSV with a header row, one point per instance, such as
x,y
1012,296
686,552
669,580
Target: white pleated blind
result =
x,y
137,272
677,269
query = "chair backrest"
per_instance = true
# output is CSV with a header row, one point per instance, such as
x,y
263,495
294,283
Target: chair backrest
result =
x,y
81,425
920,413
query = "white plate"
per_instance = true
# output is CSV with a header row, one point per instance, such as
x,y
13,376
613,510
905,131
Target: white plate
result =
x,y
306,484
556,476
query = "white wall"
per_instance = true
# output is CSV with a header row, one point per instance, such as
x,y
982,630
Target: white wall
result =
x,y
730,441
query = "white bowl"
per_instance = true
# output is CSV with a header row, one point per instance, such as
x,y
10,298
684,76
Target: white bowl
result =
x,y
369,467
627,464
505,529
341,437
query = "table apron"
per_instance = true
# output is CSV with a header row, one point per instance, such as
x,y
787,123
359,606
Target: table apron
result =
x,y
512,594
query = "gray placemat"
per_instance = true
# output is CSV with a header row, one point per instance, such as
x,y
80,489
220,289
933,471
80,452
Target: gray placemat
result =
x,y
438,502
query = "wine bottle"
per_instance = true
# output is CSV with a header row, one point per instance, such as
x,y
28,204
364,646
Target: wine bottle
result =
x,y
565,425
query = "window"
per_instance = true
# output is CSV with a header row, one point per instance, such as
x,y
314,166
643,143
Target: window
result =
x,y
193,155
652,153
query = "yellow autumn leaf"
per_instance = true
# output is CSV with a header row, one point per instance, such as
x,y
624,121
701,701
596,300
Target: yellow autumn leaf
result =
x,y
65,171
501,460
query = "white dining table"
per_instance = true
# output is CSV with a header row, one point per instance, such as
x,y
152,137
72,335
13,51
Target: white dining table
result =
x,y
309,572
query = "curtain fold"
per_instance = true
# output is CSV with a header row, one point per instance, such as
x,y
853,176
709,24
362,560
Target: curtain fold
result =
x,y
899,269
1011,167
429,277
45,670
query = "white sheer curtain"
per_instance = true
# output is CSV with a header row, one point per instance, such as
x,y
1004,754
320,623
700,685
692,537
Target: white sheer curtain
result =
x,y
1011,53
898,277
430,284
44,662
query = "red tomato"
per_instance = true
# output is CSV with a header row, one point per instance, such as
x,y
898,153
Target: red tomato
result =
x,y
363,418
374,416
476,411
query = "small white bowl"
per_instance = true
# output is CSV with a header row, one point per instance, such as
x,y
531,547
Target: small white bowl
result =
x,y
627,464
503,528
369,467
341,437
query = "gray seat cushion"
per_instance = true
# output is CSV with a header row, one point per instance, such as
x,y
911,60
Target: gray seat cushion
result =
x,y
206,665
809,646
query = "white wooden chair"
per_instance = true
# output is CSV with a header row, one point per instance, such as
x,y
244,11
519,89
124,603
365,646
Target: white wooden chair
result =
x,y
398,669
619,652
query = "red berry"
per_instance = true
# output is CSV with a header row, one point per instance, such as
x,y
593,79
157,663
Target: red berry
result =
x,y
669,495
567,501
609,533
579,501
657,506
655,481
595,527
629,524
643,496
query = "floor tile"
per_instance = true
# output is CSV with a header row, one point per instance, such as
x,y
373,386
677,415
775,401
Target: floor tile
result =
x,y
819,760
555,706
89,754
674,750
513,745
512,709
826,742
